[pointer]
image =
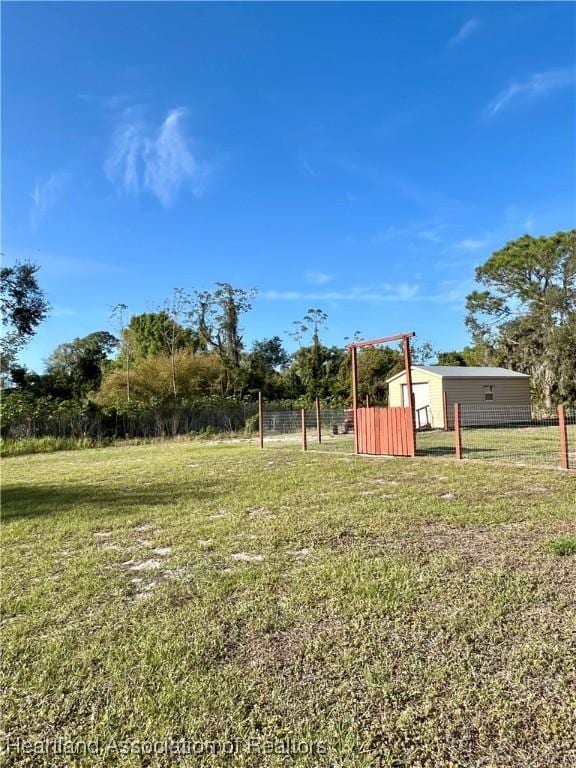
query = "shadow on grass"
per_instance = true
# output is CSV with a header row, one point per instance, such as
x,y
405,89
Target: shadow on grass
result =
x,y
449,450
24,501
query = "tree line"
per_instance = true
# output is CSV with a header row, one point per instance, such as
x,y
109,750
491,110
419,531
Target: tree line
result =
x,y
191,351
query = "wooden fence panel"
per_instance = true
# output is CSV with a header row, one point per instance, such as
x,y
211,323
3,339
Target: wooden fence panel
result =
x,y
385,431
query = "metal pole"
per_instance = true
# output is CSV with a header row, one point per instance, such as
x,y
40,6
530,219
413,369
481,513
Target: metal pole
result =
x,y
355,395
261,419
318,420
304,437
445,402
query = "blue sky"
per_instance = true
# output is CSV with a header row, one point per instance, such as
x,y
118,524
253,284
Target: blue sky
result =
x,y
361,158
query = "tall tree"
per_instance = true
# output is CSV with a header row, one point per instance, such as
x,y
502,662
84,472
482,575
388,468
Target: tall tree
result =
x,y
271,353
23,306
76,368
452,358
216,319
232,303
176,310
202,315
120,314
263,366
313,321
148,332
526,317
310,360
421,353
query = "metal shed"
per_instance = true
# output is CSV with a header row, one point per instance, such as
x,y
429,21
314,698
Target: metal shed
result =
x,y
479,389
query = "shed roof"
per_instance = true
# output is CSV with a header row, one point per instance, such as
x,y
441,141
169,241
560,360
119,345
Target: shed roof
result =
x,y
465,372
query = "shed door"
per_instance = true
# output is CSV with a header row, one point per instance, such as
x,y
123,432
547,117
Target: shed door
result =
x,y
422,410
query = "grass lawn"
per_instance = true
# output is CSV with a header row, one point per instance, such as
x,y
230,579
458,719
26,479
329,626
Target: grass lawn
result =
x,y
389,612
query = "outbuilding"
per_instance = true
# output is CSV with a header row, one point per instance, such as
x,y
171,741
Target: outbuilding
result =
x,y
487,395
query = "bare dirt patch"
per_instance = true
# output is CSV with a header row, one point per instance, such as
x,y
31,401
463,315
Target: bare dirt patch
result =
x,y
260,512
143,565
283,651
299,553
247,557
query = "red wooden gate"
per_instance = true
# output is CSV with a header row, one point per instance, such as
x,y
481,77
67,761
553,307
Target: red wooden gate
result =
x,y
379,431
385,431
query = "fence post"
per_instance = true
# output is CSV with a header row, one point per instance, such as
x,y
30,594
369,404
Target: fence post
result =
x,y
410,394
458,430
261,419
445,406
354,362
318,420
564,460
304,436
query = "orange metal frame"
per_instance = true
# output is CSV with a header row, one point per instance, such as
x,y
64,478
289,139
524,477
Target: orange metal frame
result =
x,y
405,339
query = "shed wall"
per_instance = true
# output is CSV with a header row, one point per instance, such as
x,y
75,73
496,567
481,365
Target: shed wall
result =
x,y
511,399
435,388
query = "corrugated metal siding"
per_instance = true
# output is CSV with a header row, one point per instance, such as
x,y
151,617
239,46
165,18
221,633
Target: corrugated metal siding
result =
x,y
508,393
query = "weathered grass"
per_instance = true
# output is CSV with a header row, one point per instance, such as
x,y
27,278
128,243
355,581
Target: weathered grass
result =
x,y
27,445
402,612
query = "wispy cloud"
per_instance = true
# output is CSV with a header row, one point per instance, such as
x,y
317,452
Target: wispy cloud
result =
x,y
470,244
447,292
379,293
305,168
317,278
432,234
430,231
391,232
535,85
467,29
160,162
45,195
